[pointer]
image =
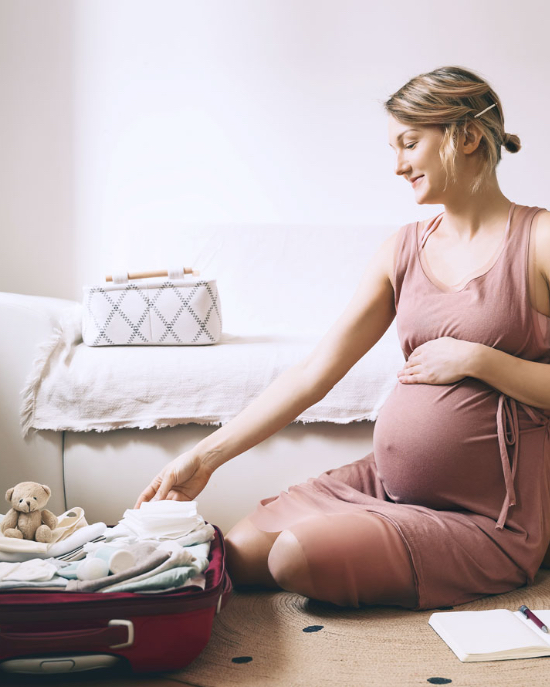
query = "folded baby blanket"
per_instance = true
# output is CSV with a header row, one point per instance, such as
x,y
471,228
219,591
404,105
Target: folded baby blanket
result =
x,y
182,566
148,557
35,570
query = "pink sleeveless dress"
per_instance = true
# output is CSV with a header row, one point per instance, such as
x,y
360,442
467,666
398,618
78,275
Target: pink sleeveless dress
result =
x,y
461,470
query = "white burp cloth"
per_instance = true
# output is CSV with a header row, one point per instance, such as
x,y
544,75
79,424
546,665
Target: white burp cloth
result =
x,y
163,519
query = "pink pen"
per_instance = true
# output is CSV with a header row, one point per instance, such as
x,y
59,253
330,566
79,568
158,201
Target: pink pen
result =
x,y
529,614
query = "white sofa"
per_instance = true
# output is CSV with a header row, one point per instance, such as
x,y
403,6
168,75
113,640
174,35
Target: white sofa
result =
x,y
104,472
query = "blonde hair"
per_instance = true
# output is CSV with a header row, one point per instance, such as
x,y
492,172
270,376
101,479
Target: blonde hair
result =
x,y
450,97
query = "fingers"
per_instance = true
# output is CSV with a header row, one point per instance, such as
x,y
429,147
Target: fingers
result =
x,y
149,493
412,367
165,486
144,496
173,483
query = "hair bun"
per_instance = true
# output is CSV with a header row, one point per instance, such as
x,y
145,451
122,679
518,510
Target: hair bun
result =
x,y
511,142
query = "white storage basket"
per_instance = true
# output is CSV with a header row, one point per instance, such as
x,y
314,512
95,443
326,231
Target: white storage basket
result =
x,y
146,309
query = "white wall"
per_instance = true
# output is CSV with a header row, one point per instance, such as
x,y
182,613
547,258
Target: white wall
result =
x,y
38,178
127,123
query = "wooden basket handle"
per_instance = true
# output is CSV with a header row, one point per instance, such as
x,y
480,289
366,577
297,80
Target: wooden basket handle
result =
x,y
157,273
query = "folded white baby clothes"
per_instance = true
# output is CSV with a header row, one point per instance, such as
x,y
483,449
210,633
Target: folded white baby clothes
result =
x,y
36,570
32,573
162,519
205,533
55,583
121,536
14,550
172,539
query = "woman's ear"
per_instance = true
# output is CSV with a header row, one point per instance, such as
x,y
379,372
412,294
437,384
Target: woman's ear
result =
x,y
472,136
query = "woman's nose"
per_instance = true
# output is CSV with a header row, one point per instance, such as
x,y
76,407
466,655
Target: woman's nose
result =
x,y
401,166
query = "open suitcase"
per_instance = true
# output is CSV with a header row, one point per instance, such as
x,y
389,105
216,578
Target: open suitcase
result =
x,y
45,632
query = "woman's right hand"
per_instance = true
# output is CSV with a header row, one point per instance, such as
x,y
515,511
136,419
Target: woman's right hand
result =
x,y
180,480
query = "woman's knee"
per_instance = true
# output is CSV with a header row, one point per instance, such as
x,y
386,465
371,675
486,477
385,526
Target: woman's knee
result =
x,y
247,549
288,564
347,560
295,572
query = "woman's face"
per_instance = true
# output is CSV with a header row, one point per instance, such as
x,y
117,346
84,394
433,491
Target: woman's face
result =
x,y
417,155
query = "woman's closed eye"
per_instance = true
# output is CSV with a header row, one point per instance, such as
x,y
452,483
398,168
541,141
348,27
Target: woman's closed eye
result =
x,y
409,147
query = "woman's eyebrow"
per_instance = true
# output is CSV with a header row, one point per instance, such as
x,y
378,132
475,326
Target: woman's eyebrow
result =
x,y
402,134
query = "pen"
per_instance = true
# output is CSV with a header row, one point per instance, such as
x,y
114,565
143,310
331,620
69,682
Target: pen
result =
x,y
529,614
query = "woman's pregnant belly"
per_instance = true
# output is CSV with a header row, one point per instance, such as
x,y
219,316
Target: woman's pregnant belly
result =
x,y
437,445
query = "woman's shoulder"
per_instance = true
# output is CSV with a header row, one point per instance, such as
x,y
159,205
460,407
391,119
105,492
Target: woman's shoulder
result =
x,y
541,224
543,216
541,232
542,213
404,234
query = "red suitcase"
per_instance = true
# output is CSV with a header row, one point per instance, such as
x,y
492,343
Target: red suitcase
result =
x,y
69,632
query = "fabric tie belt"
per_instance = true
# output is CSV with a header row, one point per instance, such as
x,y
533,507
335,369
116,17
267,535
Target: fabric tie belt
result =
x,y
508,435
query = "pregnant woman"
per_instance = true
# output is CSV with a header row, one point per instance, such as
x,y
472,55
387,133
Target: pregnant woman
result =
x,y
453,504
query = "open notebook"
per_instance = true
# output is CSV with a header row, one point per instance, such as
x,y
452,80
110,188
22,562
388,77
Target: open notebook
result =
x,y
494,635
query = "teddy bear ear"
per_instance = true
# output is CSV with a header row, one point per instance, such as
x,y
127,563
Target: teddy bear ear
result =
x,y
9,494
46,489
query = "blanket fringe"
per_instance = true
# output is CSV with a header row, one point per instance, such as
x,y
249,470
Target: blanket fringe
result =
x,y
179,422
32,383
112,426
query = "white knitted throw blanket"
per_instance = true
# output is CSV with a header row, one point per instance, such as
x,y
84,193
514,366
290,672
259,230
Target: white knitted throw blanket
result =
x,y
79,388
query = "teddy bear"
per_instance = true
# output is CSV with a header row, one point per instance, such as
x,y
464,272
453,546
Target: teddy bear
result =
x,y
27,518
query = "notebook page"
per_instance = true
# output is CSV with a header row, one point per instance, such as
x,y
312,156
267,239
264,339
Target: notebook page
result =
x,y
484,632
543,615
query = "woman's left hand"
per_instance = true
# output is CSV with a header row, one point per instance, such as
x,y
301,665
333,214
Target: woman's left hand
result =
x,y
439,361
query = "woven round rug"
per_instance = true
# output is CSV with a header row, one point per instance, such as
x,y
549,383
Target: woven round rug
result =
x,y
279,639
287,640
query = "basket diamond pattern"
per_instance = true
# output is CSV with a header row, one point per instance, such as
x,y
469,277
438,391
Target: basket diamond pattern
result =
x,y
173,312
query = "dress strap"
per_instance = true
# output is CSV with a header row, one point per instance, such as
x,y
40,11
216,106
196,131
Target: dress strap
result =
x,y
430,227
436,221
508,435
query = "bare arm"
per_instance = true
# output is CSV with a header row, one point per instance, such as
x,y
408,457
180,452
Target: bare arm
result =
x,y
365,319
525,380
